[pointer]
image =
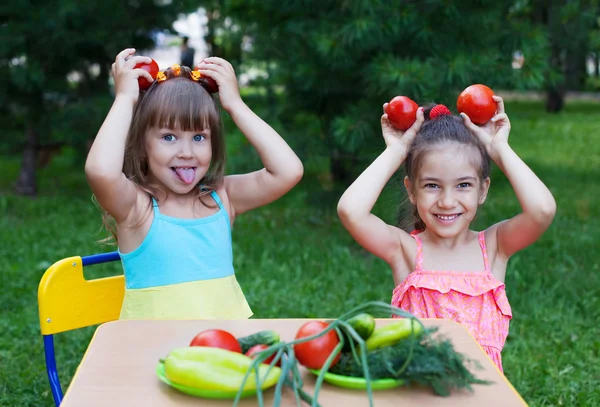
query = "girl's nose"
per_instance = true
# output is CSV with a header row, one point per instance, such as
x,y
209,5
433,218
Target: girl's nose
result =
x,y
185,150
447,199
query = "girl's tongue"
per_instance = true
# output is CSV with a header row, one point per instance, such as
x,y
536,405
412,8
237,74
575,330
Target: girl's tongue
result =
x,y
187,175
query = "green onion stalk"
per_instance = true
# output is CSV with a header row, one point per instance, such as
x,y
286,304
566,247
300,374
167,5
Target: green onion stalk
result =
x,y
290,373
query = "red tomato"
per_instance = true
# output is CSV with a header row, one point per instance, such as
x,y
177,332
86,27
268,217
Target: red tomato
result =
x,y
210,84
402,112
217,338
252,352
313,354
152,69
476,101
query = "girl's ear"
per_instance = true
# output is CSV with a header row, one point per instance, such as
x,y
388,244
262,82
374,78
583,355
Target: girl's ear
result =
x,y
409,189
485,187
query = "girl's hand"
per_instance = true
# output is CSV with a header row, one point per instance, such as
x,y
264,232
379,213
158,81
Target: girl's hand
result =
x,y
223,73
493,134
395,138
126,77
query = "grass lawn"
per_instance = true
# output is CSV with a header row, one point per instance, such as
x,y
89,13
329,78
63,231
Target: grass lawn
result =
x,y
294,259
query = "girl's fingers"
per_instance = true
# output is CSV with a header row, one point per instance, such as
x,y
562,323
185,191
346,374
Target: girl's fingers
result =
x,y
385,105
469,123
499,116
133,61
412,131
499,103
122,56
211,74
420,116
211,67
216,61
142,72
220,62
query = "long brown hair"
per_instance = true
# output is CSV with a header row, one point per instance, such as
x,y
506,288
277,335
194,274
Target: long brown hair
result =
x,y
175,103
440,130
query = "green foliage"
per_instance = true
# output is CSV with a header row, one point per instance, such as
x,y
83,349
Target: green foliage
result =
x,y
52,39
293,259
340,61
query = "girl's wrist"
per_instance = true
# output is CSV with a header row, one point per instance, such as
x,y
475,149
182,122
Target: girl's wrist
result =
x,y
397,151
500,152
125,99
235,106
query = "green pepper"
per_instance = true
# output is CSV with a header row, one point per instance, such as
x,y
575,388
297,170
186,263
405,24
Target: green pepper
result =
x,y
208,368
393,333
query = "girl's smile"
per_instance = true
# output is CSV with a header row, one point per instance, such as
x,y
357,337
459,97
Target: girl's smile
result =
x,y
448,192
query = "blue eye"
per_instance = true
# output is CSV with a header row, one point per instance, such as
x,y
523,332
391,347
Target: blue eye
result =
x,y
431,186
464,185
199,137
168,137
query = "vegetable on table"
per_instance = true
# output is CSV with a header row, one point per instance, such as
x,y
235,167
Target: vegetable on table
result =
x,y
209,368
403,349
217,338
266,337
256,352
315,352
393,333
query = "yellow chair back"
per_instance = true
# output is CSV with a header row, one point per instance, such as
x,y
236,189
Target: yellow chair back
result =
x,y
68,301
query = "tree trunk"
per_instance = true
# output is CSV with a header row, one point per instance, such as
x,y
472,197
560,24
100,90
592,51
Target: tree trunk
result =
x,y
556,91
555,100
27,182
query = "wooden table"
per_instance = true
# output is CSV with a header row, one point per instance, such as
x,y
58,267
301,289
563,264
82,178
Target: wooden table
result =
x,y
118,369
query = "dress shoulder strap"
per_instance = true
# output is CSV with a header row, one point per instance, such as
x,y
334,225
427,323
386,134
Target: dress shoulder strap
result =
x,y
419,255
215,196
155,206
481,236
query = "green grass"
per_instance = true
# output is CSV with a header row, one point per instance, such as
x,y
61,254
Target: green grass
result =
x,y
294,259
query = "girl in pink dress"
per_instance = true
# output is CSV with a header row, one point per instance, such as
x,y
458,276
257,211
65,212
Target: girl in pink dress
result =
x,y
443,269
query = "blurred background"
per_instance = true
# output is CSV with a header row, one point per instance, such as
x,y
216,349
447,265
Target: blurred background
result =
x,y
319,73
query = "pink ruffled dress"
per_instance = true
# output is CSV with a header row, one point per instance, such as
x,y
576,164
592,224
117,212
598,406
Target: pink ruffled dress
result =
x,y
476,300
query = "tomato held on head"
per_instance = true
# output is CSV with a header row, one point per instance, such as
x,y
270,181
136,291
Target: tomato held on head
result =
x,y
152,69
217,338
313,354
209,84
402,112
476,101
253,351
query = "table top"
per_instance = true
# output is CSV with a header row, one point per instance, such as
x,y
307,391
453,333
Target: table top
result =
x,y
118,369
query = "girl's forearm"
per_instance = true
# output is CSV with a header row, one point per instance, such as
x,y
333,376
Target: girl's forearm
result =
x,y
107,152
276,155
535,198
360,197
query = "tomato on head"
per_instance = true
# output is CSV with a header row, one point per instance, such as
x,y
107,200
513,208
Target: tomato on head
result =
x,y
217,338
152,69
313,354
402,112
210,84
476,101
253,351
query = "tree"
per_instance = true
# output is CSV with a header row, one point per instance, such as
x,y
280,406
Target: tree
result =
x,y
568,25
339,61
51,41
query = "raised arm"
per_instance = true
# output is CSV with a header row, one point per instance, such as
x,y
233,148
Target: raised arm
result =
x,y
355,205
104,164
282,168
536,200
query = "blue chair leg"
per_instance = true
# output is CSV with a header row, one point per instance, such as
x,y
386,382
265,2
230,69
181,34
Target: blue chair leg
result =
x,y
51,369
